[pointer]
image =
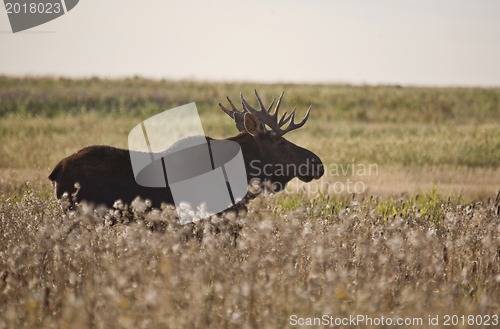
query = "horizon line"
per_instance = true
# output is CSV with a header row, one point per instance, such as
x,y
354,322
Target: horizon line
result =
x,y
248,81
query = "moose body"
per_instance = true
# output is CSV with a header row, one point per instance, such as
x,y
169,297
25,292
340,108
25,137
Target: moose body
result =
x,y
104,174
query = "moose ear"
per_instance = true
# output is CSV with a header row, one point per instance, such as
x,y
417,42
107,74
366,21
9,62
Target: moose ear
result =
x,y
252,125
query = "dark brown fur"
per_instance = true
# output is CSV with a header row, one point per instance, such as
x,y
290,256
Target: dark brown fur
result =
x,y
104,175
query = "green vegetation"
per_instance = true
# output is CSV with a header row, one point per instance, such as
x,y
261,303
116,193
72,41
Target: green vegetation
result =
x,y
420,239
51,97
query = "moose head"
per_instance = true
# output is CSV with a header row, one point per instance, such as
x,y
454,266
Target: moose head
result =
x,y
268,155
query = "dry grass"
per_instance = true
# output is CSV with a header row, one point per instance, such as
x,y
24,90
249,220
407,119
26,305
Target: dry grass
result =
x,y
422,239
74,270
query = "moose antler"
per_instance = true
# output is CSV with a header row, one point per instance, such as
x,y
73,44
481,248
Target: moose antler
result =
x,y
265,116
237,116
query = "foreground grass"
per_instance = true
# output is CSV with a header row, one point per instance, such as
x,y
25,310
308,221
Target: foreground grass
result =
x,y
325,256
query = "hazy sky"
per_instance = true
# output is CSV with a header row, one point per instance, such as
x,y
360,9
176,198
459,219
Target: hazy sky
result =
x,y
424,42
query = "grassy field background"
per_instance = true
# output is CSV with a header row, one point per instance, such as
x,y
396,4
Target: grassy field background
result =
x,y
423,238
419,137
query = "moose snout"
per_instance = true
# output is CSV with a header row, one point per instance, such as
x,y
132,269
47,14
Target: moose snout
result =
x,y
315,170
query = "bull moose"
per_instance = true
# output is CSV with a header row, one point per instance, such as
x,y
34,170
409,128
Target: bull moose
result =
x,y
104,174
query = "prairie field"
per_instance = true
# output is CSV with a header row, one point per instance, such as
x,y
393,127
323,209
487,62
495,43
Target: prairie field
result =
x,y
404,225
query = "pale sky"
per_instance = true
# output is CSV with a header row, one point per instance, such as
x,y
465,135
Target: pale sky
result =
x,y
409,42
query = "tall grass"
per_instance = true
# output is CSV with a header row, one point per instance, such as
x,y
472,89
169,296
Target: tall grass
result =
x,y
338,257
422,240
